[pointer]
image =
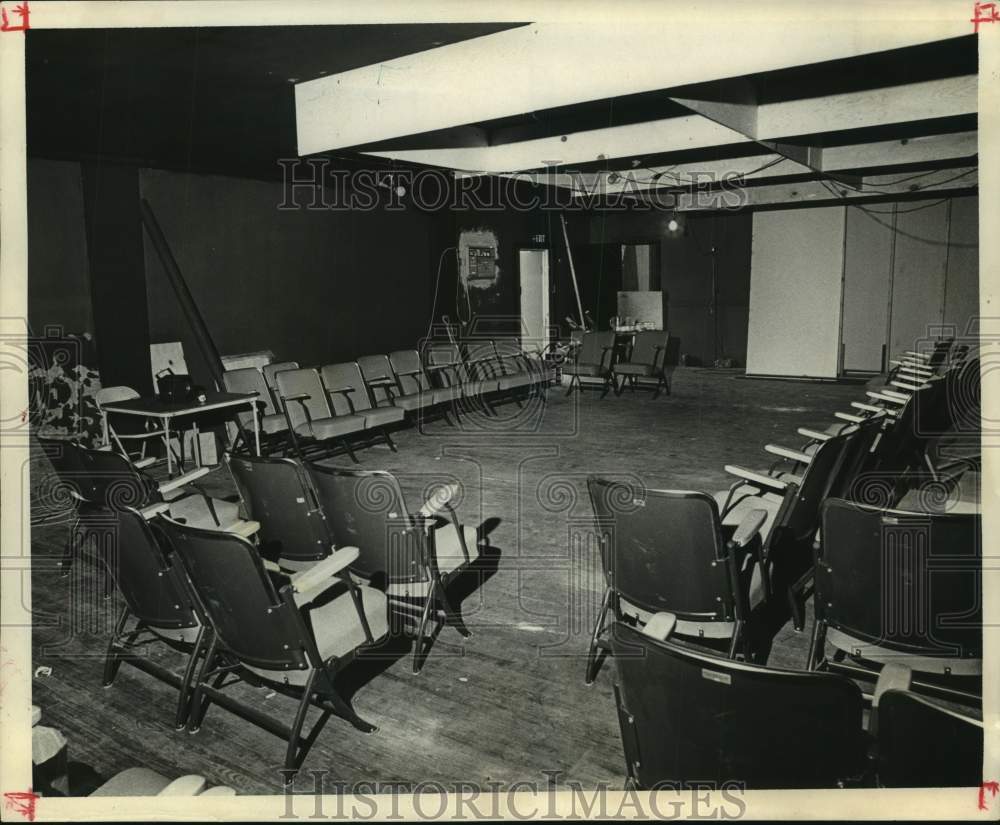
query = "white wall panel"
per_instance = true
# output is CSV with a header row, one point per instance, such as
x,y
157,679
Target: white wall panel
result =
x,y
797,268
867,283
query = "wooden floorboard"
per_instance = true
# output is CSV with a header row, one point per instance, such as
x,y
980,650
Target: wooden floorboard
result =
x,y
505,705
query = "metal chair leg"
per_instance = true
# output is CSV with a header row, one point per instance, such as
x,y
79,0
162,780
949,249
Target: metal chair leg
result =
x,y
593,657
292,750
388,440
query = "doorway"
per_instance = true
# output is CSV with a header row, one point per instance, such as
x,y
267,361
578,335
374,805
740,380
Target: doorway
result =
x,y
533,265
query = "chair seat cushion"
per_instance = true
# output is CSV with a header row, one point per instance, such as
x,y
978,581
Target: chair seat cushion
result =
x,y
513,382
323,428
133,782
584,369
633,369
383,415
274,423
473,389
337,627
414,401
445,395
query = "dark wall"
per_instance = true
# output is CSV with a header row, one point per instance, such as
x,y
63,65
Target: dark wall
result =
x,y
315,286
58,270
705,329
516,224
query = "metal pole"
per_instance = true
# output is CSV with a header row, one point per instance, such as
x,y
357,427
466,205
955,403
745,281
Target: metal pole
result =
x,y
572,272
186,300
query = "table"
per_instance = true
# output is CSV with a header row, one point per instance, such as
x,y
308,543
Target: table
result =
x,y
165,411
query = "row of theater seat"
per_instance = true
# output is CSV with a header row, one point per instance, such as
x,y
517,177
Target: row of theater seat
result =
x,y
307,409
876,516
328,565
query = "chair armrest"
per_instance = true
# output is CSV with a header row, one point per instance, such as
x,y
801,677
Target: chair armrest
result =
x,y
758,479
409,373
437,367
785,452
302,396
749,528
815,435
245,528
344,390
860,405
190,785
905,385
272,567
382,382
440,500
183,480
660,626
154,509
309,583
882,396
921,355
854,419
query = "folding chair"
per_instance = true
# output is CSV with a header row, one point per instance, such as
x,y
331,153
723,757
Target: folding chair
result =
x,y
349,395
412,380
311,420
415,556
594,358
109,395
279,495
924,745
157,597
665,550
449,369
270,373
648,360
688,716
290,633
793,506
893,586
514,360
386,389
273,425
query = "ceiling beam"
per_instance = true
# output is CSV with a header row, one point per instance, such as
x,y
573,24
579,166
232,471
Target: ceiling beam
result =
x,y
547,65
899,104
940,182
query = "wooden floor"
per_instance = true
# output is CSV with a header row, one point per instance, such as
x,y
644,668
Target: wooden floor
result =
x,y
509,703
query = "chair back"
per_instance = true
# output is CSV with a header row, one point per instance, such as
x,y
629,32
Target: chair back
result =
x,y
923,745
365,509
67,460
277,493
377,368
482,359
663,550
110,480
409,371
687,715
341,376
248,380
270,372
153,586
302,382
511,356
858,453
644,350
799,518
910,582
448,356
249,618
593,345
